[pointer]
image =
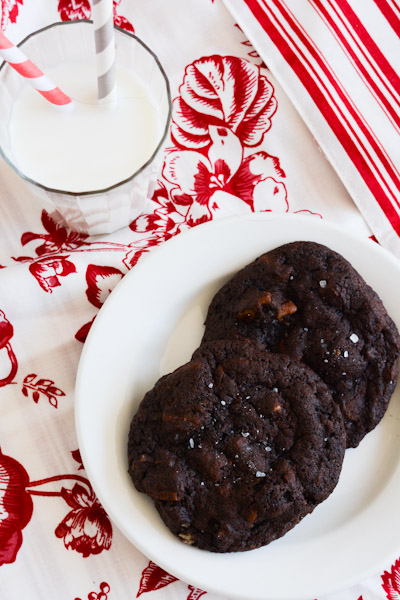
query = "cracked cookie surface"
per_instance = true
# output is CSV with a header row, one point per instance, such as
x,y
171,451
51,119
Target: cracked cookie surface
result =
x,y
236,446
306,300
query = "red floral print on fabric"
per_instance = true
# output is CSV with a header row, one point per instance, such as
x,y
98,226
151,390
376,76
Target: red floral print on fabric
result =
x,y
85,529
222,91
36,387
254,180
391,581
223,111
101,280
74,9
6,351
56,239
102,594
195,593
83,331
57,244
9,10
121,21
76,455
154,578
15,507
48,271
70,10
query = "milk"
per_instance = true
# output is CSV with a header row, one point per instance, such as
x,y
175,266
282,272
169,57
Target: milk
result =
x,y
91,147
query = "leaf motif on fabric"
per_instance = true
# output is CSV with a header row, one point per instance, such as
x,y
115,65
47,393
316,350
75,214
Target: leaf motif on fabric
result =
x,y
38,387
83,332
222,91
391,581
101,280
195,593
154,578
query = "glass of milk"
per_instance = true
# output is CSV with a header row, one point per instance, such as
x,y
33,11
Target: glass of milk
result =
x,y
97,164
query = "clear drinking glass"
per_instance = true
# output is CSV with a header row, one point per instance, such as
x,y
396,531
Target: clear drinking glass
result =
x,y
99,210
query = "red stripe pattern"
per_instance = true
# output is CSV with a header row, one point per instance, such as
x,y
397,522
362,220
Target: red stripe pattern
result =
x,y
336,59
27,69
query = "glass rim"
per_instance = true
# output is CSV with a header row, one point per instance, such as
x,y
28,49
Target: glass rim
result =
x,y
158,147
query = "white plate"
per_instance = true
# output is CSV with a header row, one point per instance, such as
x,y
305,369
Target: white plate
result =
x,y
150,325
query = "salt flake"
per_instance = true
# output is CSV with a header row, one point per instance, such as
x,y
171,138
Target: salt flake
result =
x,y
354,338
260,474
322,283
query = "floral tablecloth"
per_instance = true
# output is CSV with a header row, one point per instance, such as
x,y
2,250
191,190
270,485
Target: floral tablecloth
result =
x,y
236,145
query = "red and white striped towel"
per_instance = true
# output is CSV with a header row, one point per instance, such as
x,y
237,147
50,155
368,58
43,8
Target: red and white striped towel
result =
x,y
339,62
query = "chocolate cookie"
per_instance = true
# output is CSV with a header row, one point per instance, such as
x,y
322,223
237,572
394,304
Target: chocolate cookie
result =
x,y
305,300
236,446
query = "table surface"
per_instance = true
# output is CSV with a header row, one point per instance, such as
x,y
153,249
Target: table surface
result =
x,y
55,538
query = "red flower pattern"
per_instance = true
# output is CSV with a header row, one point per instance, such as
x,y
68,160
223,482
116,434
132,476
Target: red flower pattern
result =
x,y
9,10
121,21
87,528
391,581
15,507
47,271
57,239
222,91
6,333
155,578
74,9
224,108
71,10
101,280
203,182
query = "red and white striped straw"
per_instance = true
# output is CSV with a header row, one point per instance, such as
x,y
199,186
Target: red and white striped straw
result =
x,y
103,20
25,67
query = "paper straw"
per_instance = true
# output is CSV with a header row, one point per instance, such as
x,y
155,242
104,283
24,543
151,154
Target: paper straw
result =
x,y
18,61
103,20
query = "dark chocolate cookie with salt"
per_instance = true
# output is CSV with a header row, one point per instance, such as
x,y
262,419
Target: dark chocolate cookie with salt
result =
x,y
306,300
236,446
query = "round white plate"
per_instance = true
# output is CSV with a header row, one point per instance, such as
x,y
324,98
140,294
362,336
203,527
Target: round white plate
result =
x,y
150,325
